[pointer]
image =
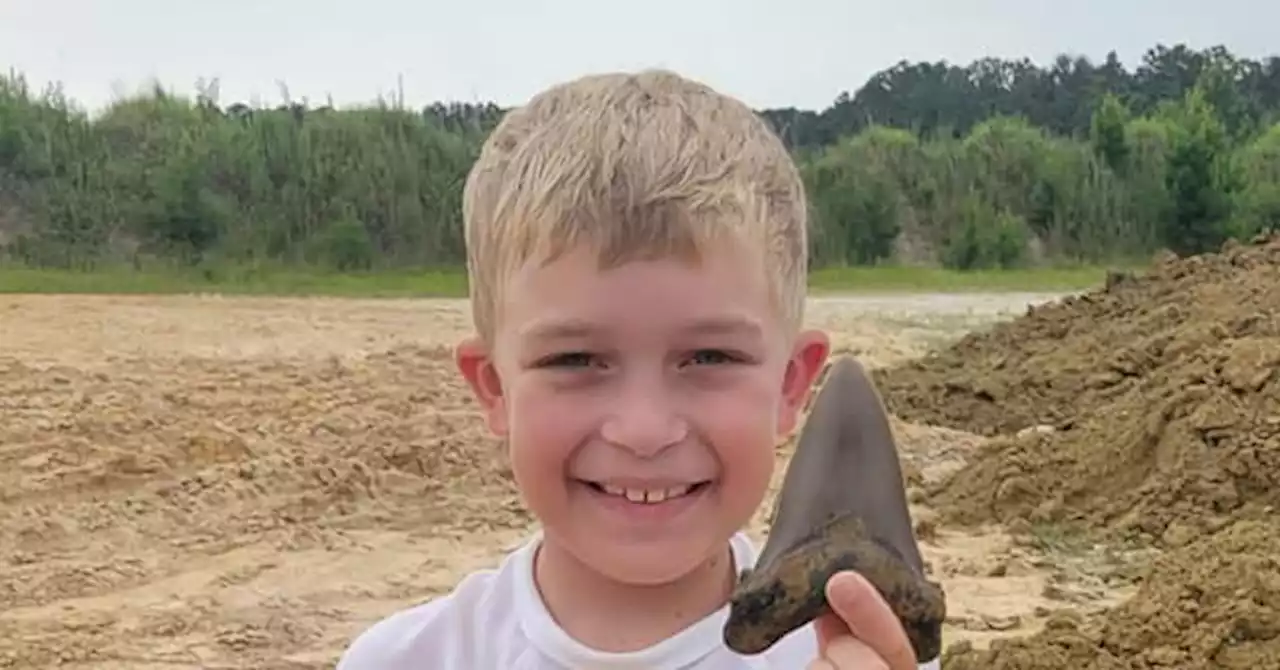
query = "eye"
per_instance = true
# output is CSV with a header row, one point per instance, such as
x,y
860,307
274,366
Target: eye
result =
x,y
569,359
713,357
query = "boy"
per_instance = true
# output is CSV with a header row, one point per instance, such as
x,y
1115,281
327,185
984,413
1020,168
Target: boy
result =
x,y
637,253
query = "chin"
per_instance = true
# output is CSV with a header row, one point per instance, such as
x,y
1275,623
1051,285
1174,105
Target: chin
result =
x,y
647,563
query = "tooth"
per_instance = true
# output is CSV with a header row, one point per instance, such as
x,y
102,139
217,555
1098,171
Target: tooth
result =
x,y
646,496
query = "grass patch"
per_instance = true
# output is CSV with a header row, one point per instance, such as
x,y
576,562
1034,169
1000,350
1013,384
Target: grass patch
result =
x,y
239,281
451,282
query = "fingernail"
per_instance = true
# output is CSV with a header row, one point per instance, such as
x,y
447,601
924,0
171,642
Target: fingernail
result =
x,y
844,584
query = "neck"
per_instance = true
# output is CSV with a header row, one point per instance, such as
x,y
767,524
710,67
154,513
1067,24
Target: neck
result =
x,y
611,616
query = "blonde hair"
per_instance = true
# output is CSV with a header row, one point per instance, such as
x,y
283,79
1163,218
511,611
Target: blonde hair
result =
x,y
642,165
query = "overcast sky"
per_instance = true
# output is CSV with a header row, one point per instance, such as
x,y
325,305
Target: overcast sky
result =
x,y
768,52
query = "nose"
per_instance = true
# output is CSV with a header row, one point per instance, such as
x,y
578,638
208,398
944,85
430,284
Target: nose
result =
x,y
644,419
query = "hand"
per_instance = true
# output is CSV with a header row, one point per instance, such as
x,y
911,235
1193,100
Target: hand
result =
x,y
861,632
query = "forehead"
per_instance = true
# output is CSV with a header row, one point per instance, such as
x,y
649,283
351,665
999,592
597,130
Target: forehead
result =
x,y
723,290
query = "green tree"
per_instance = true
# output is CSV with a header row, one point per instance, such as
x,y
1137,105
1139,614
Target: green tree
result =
x,y
1197,178
1257,206
1107,132
994,162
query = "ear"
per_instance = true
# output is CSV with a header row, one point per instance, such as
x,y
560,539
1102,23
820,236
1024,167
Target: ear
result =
x,y
808,356
476,365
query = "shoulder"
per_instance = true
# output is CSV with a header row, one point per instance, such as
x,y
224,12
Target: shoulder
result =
x,y
442,633
394,642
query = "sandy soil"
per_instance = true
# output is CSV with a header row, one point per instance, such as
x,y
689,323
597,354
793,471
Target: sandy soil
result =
x,y
1145,415
210,482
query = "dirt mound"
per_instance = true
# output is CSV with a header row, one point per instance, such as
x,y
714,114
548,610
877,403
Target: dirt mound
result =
x,y
1066,357
1212,604
1158,402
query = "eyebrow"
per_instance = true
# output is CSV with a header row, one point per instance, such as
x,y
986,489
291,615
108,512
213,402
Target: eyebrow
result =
x,y
566,329
730,324
558,329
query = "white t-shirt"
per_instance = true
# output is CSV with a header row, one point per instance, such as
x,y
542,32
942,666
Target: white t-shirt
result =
x,y
495,619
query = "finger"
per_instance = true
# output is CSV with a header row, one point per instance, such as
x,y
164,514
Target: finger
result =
x,y
870,620
849,653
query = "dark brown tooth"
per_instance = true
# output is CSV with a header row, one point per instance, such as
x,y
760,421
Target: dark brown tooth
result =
x,y
842,507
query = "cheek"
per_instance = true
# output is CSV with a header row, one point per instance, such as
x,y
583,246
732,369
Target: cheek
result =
x,y
741,424
545,428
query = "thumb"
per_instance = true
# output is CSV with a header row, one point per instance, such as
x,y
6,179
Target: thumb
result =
x,y
858,609
831,625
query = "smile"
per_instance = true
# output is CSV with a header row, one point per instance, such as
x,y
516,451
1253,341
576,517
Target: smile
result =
x,y
648,496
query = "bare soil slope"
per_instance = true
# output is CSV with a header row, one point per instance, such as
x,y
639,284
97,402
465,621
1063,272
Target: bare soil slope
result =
x,y
1149,412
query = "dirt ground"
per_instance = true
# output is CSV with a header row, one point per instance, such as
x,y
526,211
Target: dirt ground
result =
x,y
1145,415
209,482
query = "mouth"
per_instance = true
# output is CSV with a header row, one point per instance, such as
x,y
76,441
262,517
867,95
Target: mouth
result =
x,y
648,495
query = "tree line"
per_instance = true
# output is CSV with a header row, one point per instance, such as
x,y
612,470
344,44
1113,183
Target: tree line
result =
x,y
996,163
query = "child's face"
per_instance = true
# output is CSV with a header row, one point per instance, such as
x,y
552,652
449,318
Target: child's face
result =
x,y
642,404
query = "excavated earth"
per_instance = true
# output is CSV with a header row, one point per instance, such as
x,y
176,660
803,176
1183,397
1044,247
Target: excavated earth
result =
x,y
1212,604
205,482
1146,414
202,482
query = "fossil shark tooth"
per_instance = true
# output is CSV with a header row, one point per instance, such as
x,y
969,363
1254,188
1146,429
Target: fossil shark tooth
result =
x,y
842,507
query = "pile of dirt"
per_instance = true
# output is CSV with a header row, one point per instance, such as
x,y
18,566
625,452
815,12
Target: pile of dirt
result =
x,y
1212,604
1066,357
1155,402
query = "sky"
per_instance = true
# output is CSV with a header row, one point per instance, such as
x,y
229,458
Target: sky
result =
x,y
770,53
